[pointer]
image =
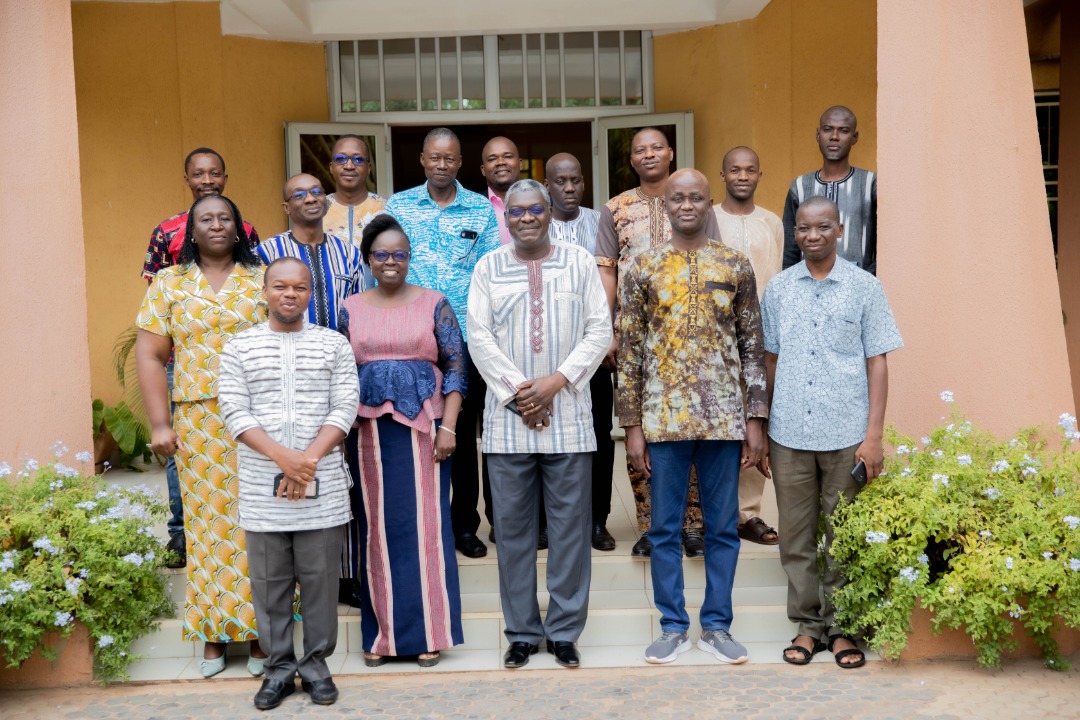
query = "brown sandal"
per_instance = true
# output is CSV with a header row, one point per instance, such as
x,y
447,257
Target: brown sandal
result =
x,y
756,531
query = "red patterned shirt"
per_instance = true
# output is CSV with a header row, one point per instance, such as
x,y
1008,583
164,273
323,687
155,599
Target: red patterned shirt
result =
x,y
166,240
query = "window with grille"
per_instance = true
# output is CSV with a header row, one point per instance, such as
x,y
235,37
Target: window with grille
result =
x,y
1047,105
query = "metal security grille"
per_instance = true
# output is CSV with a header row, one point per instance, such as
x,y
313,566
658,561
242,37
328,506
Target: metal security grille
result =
x,y
1047,107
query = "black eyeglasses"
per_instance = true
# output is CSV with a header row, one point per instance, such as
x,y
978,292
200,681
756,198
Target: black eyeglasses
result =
x,y
534,210
384,255
314,192
341,159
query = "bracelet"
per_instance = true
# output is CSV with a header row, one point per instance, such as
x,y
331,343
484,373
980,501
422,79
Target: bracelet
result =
x,y
444,427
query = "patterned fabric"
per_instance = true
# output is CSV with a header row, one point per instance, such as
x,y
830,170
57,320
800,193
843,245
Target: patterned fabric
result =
x,y
499,207
166,240
336,272
823,331
579,231
410,599
181,304
348,221
856,196
689,339
632,223
759,236
448,242
423,331
575,326
290,384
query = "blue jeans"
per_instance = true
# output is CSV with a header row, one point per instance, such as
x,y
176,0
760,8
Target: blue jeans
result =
x,y
172,477
717,463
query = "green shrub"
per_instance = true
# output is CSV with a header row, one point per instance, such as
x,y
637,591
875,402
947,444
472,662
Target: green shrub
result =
x,y
74,549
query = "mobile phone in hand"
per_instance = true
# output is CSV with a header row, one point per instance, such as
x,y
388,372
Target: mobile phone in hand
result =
x,y
311,491
859,473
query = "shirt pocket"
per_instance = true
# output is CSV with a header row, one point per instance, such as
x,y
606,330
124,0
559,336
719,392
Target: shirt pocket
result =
x,y
845,334
721,296
344,286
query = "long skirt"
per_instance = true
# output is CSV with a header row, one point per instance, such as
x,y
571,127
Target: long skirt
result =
x,y
411,602
217,606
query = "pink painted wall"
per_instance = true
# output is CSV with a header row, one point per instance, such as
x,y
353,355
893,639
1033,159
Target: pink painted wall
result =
x,y
964,245
44,356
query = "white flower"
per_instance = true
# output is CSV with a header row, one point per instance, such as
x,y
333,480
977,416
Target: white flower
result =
x,y
1072,521
5,597
1058,492
1048,555
149,557
947,396
949,427
938,478
86,505
1018,612
72,584
105,641
56,484
873,536
84,456
1067,422
906,472
31,465
64,471
1008,563
902,450
986,534
910,574
924,440
938,454
964,460
84,573
7,560
992,493
44,544
923,559
5,470
62,619
1014,442
1074,564
133,558
19,586
1000,466
952,589
1030,471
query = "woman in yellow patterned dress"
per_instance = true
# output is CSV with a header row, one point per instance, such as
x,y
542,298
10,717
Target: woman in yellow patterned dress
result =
x,y
192,309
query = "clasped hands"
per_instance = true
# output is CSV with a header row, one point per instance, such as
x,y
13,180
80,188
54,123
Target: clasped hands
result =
x,y
299,471
535,399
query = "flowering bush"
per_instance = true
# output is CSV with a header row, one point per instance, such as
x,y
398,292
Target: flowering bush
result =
x,y
72,549
980,532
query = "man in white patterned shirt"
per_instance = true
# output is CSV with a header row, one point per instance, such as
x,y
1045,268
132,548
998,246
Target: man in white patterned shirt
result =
x,y
289,395
539,324
571,223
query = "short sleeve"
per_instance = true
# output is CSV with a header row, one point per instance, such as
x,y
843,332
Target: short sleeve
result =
x,y
343,321
607,240
880,334
769,321
155,315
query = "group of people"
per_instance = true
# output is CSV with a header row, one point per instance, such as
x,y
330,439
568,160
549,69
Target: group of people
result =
x,y
319,395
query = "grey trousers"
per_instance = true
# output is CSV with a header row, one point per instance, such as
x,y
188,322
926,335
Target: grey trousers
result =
x,y
517,483
277,561
808,484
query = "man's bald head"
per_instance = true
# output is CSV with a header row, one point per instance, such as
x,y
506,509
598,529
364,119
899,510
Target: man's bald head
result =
x,y
500,163
688,203
739,150
687,178
818,203
286,263
553,162
840,111
297,182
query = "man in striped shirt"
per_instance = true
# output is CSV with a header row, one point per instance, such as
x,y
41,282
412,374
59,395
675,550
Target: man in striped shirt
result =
x,y
289,395
854,191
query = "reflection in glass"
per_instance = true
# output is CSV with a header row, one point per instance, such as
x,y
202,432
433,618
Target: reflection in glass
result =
x,y
448,69
580,73
610,70
632,53
472,73
347,76
428,98
399,69
511,85
532,58
368,58
554,74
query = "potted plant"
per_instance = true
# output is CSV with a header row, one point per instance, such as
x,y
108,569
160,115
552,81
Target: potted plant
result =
x,y
76,550
121,432
982,533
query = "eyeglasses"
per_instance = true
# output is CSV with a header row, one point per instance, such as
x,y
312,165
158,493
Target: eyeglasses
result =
x,y
534,210
384,255
315,192
437,159
341,159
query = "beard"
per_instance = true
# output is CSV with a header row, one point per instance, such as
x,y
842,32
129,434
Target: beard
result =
x,y
287,319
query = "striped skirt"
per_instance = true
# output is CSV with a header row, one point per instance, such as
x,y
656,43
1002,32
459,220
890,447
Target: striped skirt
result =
x,y
411,602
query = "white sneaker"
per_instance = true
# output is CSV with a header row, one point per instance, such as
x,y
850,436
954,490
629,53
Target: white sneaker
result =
x,y
667,647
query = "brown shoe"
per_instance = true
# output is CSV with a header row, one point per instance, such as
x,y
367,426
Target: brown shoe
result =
x,y
756,531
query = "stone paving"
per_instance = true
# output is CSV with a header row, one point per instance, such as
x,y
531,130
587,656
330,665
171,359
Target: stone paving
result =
x,y
920,691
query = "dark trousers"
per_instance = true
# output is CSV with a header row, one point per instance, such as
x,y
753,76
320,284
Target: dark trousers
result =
x,y
465,480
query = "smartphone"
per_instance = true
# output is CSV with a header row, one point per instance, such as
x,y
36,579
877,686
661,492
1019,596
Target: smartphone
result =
x,y
859,473
311,492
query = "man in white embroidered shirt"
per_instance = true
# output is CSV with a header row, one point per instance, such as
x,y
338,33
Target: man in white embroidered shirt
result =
x,y
289,395
539,324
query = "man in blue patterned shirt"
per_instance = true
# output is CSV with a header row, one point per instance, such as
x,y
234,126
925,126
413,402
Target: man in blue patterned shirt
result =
x,y
827,330
450,229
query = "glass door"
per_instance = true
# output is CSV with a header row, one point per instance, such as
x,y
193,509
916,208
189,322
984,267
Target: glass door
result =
x,y
613,172
308,147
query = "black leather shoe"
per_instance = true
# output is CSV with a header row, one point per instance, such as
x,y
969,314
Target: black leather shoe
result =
x,y
470,546
178,547
272,692
642,548
565,653
601,538
517,655
541,540
491,535
322,692
349,592
693,543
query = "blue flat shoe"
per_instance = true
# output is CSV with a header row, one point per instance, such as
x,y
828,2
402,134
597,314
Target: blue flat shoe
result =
x,y
255,666
210,668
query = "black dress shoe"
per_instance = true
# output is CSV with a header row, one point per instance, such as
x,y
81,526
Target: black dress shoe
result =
x,y
470,546
491,535
565,653
322,692
178,547
642,548
541,540
693,543
349,592
272,692
601,538
517,655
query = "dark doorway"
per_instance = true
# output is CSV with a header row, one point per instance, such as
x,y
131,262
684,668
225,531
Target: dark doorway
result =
x,y
536,142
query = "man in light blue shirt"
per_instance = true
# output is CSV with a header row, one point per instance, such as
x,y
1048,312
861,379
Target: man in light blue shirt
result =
x,y
450,229
828,328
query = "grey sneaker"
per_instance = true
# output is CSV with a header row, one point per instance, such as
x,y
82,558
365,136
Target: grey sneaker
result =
x,y
723,646
667,647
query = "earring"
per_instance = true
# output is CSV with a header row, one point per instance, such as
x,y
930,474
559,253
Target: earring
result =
x,y
237,238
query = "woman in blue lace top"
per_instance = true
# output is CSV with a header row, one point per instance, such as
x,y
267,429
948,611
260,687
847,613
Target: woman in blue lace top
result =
x,y
413,374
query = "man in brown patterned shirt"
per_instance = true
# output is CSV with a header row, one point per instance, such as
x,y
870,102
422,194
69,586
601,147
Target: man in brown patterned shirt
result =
x,y
690,340
630,224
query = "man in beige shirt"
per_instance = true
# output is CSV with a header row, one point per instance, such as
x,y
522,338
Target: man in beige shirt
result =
x,y
758,234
